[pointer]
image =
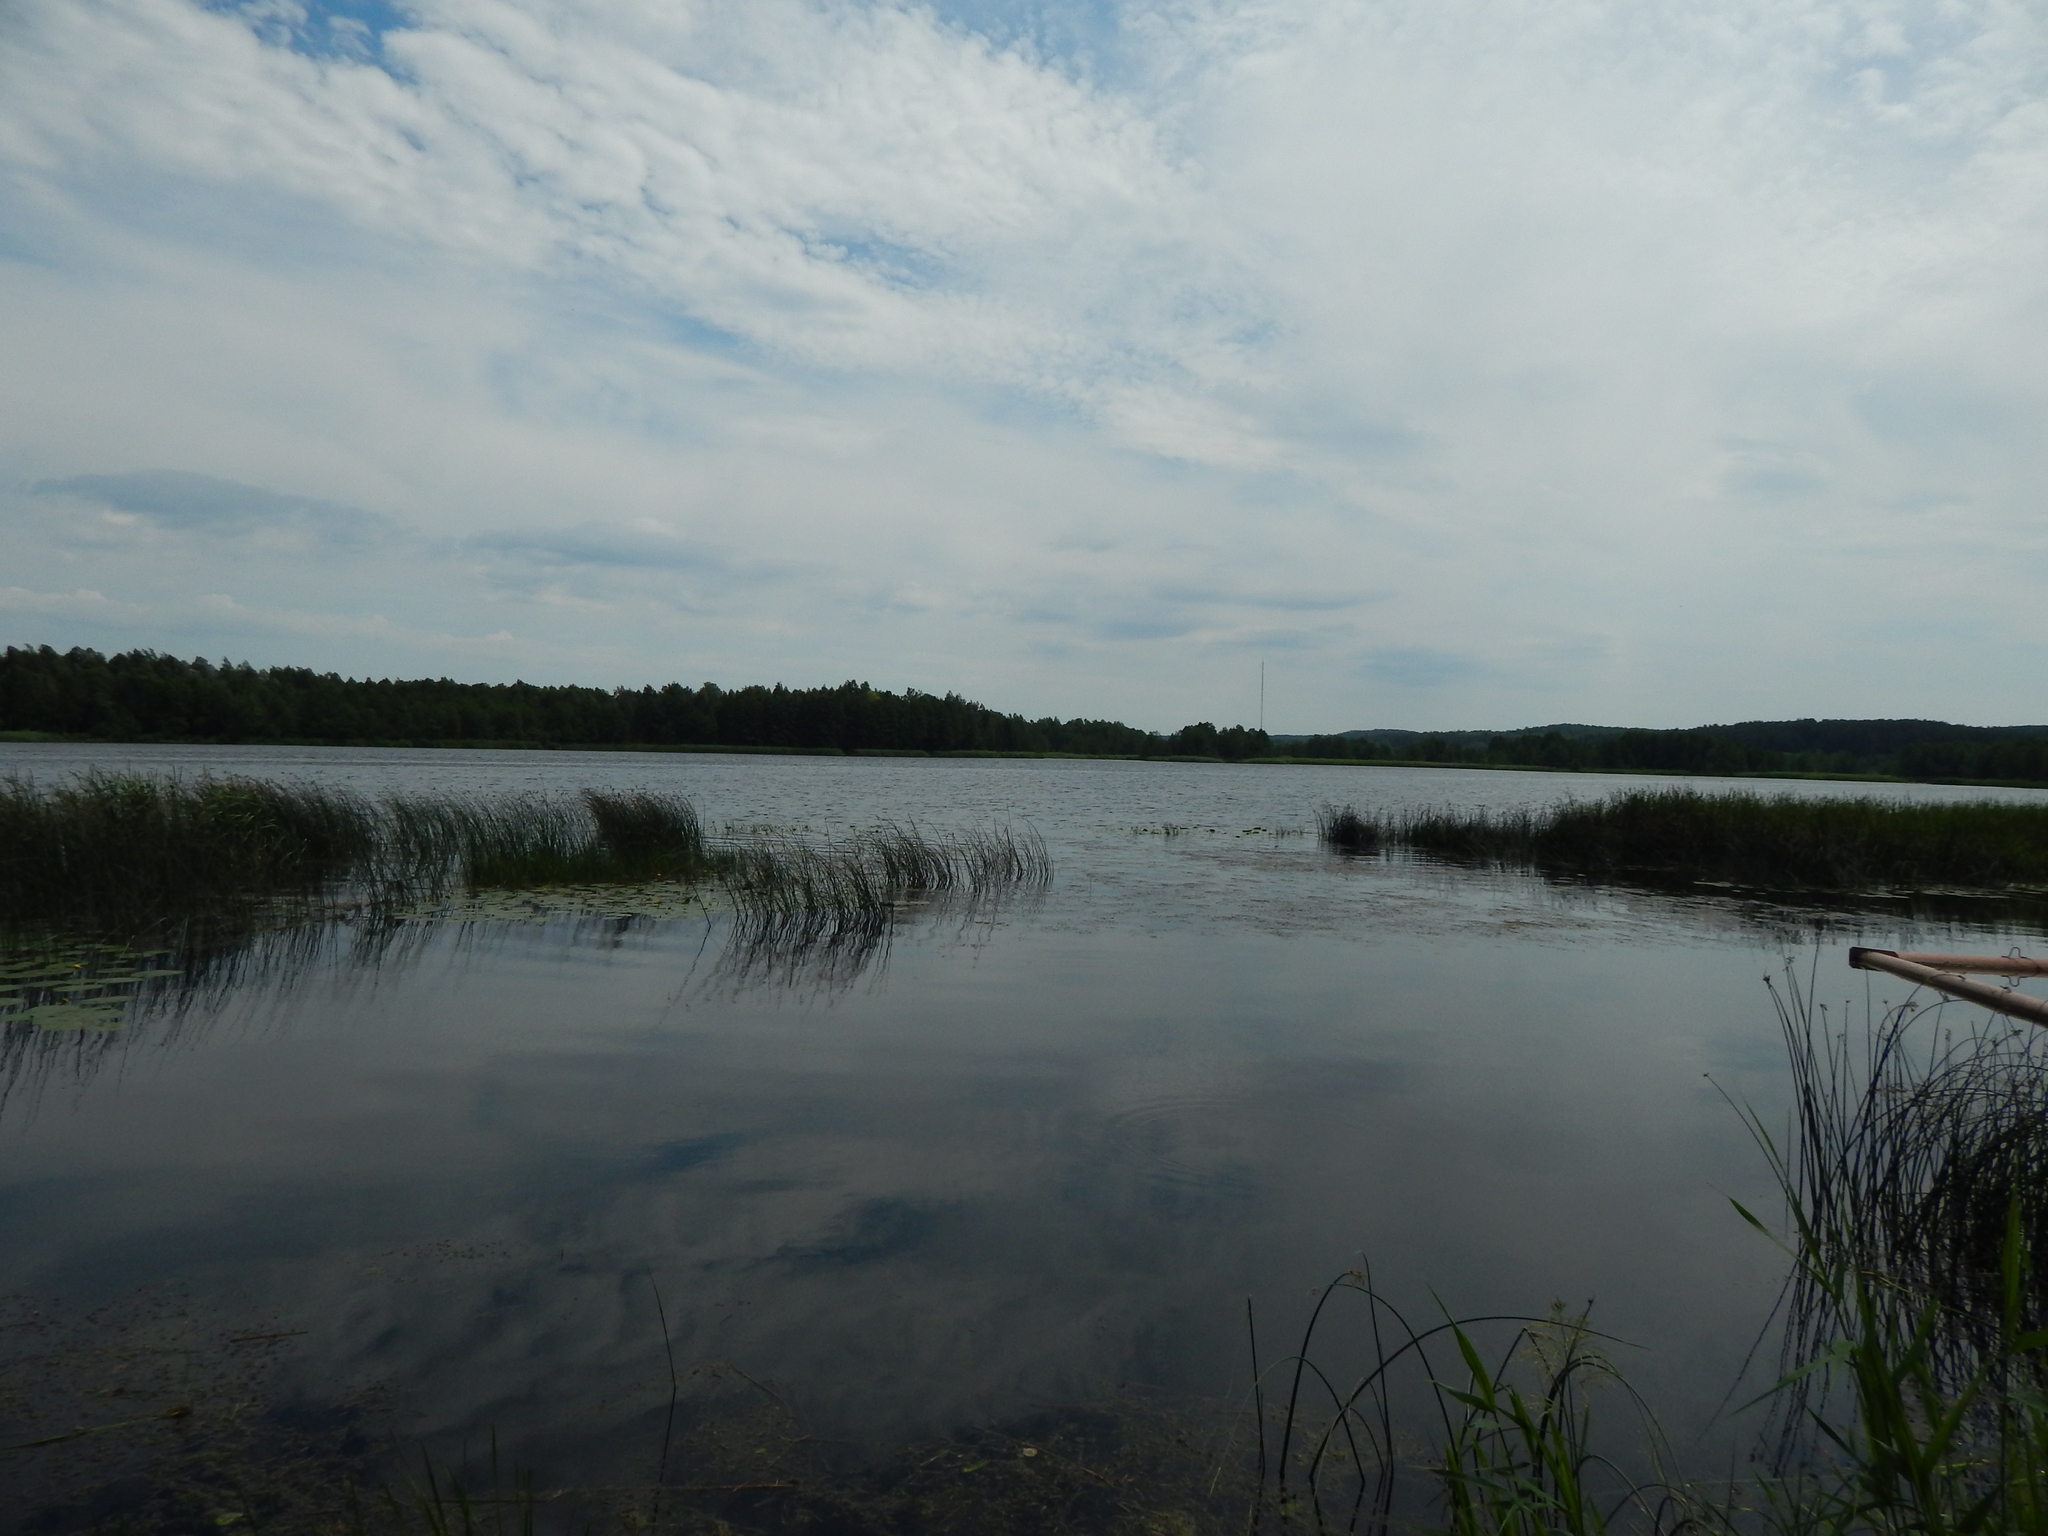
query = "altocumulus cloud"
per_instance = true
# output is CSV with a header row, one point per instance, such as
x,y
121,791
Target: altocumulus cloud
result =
x,y
1483,361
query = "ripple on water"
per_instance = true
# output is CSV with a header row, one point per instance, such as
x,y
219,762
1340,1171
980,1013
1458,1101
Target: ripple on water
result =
x,y
1190,1144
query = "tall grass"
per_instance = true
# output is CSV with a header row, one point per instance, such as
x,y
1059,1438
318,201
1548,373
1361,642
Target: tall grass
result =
x,y
1778,841
535,840
1342,828
1916,1357
1444,1432
116,854
1913,1390
816,917
1919,1153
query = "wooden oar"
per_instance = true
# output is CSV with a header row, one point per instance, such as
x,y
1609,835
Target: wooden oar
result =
x,y
1940,973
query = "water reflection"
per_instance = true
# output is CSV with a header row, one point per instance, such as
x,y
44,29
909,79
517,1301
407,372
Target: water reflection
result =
x,y
71,1009
959,1169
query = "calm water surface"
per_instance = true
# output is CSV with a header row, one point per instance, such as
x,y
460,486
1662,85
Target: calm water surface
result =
x,y
1022,1156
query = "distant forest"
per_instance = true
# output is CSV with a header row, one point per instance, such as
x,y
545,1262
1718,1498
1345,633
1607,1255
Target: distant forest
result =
x,y
1905,749
145,696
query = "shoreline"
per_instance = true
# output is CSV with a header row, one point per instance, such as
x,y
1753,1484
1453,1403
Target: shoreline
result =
x,y
1269,760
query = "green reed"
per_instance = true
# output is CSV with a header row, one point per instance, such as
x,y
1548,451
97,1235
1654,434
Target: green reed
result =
x,y
1781,841
120,854
1913,1390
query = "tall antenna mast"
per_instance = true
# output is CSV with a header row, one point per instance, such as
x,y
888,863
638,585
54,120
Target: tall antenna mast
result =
x,y
1262,695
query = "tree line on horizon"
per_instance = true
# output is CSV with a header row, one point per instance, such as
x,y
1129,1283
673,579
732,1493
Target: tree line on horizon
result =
x,y
1905,749
148,696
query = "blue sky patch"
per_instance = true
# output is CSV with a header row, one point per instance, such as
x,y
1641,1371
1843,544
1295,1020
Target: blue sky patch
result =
x,y
347,29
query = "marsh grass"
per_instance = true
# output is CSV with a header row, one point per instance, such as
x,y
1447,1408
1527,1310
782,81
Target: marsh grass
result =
x,y
117,855
1915,1386
787,879
1776,842
813,918
1342,828
1919,1153
526,841
114,853
1444,1432
1912,1395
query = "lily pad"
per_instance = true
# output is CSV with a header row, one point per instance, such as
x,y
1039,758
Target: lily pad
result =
x,y
76,1017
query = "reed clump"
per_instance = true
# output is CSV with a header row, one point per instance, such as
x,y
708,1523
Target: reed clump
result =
x,y
1342,828
123,855
525,841
116,852
1915,1387
1917,1169
1775,841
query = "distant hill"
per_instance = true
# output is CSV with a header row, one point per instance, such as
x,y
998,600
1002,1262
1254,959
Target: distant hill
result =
x,y
1866,737
1392,737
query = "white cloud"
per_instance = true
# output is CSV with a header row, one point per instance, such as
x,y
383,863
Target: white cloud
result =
x,y
1613,360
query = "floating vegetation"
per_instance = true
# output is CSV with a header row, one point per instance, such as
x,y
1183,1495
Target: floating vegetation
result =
x,y
96,979
1779,842
82,988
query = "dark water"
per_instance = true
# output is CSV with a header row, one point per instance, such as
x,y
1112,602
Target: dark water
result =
x,y
1022,1156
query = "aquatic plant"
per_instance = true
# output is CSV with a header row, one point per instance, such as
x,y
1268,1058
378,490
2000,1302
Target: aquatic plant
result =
x,y
119,854
1777,841
1916,1183
1441,1433
1913,1391
1342,828
510,842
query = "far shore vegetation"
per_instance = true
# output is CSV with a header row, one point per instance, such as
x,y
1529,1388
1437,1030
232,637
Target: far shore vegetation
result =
x,y
143,696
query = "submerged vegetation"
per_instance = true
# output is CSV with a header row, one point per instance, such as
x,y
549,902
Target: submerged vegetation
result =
x,y
118,855
1777,842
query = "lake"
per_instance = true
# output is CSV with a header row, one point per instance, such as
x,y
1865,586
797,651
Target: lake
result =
x,y
466,1180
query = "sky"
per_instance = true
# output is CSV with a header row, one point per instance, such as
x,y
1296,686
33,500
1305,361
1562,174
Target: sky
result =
x,y
1456,363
